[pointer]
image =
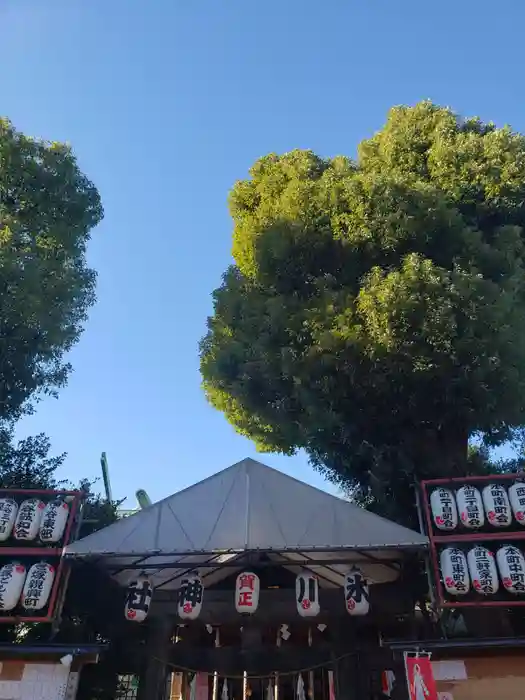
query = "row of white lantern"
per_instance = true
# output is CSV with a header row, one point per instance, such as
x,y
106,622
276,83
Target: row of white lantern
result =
x,y
247,591
478,568
493,501
31,588
33,518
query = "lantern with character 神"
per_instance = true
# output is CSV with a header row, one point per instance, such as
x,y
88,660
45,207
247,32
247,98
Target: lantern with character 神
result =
x,y
247,588
28,519
357,595
8,511
444,511
37,587
511,565
483,572
12,577
497,505
138,599
307,594
54,520
454,570
190,596
470,506
517,501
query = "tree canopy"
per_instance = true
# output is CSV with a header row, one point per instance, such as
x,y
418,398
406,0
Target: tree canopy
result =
x,y
374,316
47,210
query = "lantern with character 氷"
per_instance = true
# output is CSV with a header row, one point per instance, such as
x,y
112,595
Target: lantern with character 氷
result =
x,y
247,589
189,598
307,594
357,594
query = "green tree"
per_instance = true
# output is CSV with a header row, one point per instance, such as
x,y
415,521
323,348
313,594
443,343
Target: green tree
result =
x,y
47,210
374,316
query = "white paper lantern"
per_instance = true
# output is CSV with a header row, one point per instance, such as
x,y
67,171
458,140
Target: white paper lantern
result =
x,y
357,594
54,520
497,506
443,507
190,597
482,570
470,507
511,565
517,501
8,512
12,577
307,594
247,589
138,599
38,585
454,569
28,519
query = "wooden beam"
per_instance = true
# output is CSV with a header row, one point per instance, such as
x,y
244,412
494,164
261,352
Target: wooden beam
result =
x,y
278,606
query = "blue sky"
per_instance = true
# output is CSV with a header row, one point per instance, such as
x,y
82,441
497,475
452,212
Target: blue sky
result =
x,y
166,103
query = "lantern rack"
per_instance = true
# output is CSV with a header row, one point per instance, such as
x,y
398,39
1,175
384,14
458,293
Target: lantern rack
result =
x,y
47,553
457,537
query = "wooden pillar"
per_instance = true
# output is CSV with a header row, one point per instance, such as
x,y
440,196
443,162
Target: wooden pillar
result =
x,y
152,683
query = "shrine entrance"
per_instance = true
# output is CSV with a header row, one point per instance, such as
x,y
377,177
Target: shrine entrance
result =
x,y
251,584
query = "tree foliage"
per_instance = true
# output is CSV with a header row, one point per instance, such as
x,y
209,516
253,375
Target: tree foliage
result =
x,y
374,315
47,210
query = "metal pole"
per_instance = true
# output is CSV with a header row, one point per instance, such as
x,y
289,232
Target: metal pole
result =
x,y
215,691
276,687
245,685
310,673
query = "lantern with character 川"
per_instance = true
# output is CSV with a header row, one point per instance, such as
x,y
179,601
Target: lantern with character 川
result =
x,y
247,589
307,594
190,597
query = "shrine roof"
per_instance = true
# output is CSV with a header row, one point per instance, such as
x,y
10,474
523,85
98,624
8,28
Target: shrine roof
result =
x,y
245,508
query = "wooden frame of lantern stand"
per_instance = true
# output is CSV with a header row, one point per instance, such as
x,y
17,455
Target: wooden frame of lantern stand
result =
x,y
58,590
456,537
